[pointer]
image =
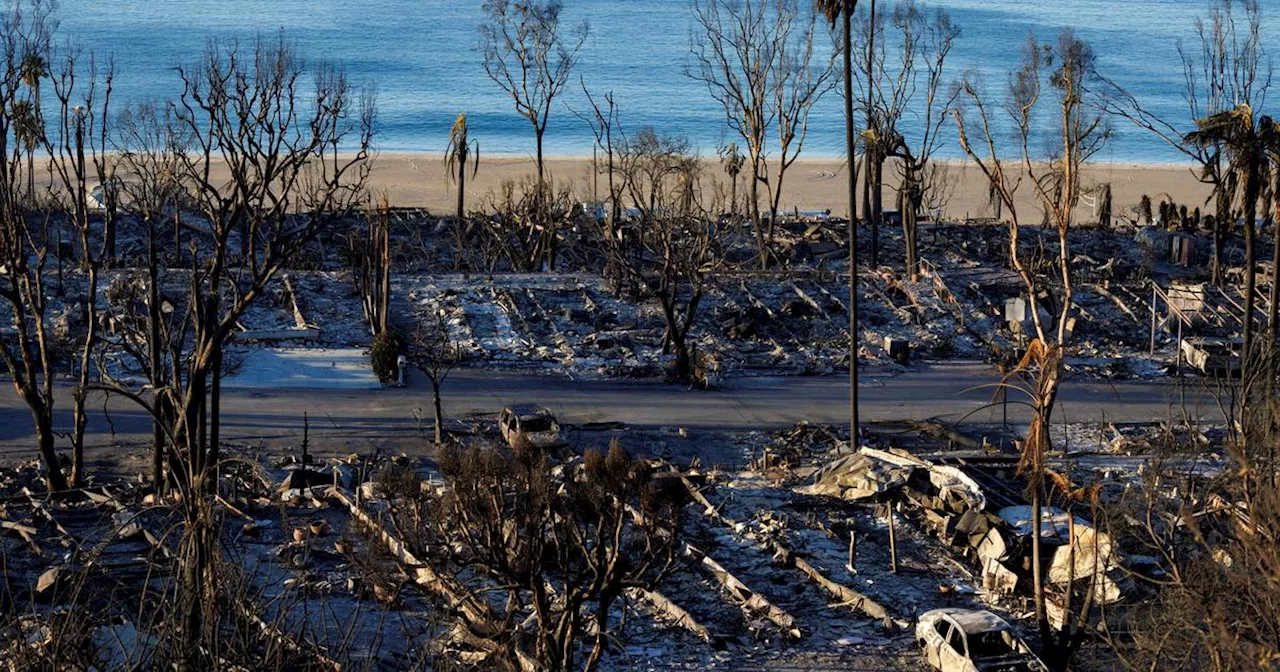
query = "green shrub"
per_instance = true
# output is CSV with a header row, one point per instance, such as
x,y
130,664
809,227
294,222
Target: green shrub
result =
x,y
386,348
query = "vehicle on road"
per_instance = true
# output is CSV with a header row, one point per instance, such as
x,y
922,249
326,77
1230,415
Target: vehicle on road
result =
x,y
529,423
971,640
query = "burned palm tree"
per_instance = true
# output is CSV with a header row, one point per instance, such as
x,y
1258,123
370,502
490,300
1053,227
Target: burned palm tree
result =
x,y
1224,66
32,69
1247,142
29,134
732,159
456,155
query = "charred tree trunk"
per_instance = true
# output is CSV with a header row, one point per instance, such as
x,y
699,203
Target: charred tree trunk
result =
x,y
1221,225
154,359
82,389
762,244
877,205
733,194
214,420
384,274
109,230
908,206
439,412
164,416
196,551
80,419
42,414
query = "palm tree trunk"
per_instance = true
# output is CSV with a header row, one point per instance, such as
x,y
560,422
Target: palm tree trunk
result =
x,y
462,184
1252,187
31,175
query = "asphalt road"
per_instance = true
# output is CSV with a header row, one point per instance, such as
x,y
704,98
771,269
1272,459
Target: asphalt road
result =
x,y
346,420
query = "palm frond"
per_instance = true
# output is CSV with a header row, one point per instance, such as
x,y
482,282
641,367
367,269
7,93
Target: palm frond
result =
x,y
460,148
832,10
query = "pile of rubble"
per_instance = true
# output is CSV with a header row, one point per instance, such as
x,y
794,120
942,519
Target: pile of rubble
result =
x,y
967,304
974,507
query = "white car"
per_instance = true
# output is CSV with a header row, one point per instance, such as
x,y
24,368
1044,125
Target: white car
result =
x,y
969,640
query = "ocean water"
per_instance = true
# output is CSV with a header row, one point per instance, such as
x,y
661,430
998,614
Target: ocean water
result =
x,y
424,59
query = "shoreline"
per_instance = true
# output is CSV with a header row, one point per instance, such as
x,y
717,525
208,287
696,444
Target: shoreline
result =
x,y
418,179
508,157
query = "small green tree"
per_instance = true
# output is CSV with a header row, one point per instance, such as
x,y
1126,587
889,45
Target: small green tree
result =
x,y
383,355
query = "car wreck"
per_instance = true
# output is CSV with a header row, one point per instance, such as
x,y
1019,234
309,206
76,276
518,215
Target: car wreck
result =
x,y
531,425
965,640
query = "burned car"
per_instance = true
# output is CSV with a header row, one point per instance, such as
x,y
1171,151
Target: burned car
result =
x,y
531,423
968,640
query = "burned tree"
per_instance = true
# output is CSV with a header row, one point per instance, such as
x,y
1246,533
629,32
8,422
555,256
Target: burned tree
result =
x,y
526,223
369,250
298,163
605,121
527,55
433,351
77,149
139,315
650,163
1083,133
559,544
757,59
25,246
43,346
677,243
873,134
732,159
1066,69
925,44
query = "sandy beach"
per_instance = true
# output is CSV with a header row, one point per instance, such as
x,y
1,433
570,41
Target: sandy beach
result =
x,y
418,180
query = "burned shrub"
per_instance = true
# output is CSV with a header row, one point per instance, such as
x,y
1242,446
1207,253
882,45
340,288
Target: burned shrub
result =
x,y
397,481
561,542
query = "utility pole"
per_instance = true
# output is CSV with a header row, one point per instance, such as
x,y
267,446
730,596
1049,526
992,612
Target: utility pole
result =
x,y
872,152
850,5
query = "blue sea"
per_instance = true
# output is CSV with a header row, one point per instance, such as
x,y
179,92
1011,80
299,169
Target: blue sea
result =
x,y
423,57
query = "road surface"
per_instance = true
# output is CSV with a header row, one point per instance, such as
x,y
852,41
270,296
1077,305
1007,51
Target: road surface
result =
x,y
349,420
